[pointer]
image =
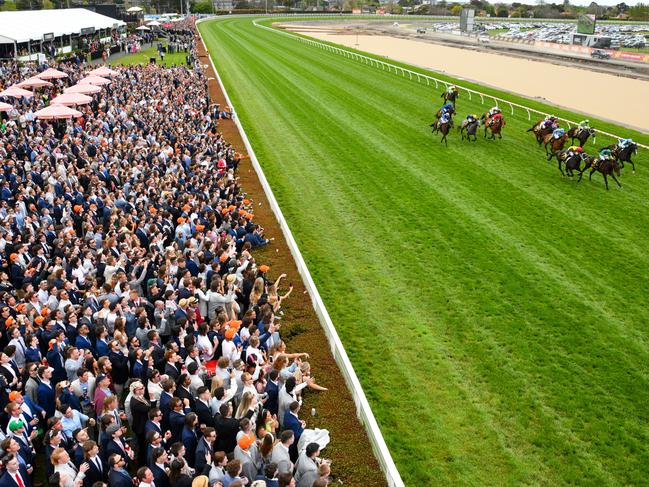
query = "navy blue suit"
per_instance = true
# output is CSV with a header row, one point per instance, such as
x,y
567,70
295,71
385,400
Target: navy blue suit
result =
x,y
160,477
46,399
8,481
120,479
272,403
190,440
293,424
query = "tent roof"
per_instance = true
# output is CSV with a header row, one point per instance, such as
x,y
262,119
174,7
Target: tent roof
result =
x,y
25,25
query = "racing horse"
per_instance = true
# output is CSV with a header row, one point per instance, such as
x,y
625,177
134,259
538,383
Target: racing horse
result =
x,y
571,160
471,129
624,155
608,167
555,144
539,132
450,96
495,125
444,128
581,135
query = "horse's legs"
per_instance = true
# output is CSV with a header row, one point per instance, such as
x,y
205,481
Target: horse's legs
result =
x,y
632,165
590,176
614,179
606,180
560,169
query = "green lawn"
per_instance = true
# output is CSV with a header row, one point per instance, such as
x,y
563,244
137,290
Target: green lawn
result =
x,y
144,55
496,314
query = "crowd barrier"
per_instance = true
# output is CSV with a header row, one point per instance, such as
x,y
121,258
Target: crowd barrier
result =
x,y
363,409
414,75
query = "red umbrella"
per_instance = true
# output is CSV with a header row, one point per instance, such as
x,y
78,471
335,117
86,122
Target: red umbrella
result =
x,y
71,99
85,89
103,71
16,92
5,107
33,82
94,80
51,73
56,112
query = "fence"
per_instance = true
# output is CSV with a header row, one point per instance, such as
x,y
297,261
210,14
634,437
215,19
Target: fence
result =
x,y
363,409
419,77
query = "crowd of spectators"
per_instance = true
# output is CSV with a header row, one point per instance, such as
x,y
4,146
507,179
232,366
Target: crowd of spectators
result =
x,y
140,340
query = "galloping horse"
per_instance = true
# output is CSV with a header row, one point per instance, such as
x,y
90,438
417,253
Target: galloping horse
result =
x,y
444,128
471,129
555,144
624,155
495,125
581,135
608,167
572,161
539,132
450,96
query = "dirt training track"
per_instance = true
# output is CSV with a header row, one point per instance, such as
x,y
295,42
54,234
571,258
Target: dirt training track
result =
x,y
619,99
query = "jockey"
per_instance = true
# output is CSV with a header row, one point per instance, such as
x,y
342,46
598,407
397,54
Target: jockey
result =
x,y
445,118
496,118
605,154
558,133
451,89
447,108
471,117
584,125
574,150
548,122
493,111
624,143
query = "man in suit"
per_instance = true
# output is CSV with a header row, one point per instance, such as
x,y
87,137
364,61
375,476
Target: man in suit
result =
x,y
45,391
168,389
226,429
203,409
97,471
183,392
160,458
280,454
116,444
294,423
204,450
190,438
15,475
177,418
118,476
272,389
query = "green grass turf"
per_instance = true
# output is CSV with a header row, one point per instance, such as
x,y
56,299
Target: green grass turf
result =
x,y
494,312
142,57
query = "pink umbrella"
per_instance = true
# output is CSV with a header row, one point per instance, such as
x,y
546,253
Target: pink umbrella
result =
x,y
56,112
71,99
84,89
103,71
5,107
33,82
94,80
51,73
16,92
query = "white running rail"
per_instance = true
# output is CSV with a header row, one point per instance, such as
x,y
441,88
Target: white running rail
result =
x,y
419,77
363,409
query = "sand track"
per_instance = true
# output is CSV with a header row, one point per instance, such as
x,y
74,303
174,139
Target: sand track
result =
x,y
619,99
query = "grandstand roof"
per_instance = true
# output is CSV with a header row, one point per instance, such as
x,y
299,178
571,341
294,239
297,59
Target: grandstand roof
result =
x,y
25,25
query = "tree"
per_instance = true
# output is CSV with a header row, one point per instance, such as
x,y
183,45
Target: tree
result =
x,y
502,10
456,9
205,7
639,12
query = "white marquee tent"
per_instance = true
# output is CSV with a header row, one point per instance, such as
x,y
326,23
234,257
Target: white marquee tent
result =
x,y
38,25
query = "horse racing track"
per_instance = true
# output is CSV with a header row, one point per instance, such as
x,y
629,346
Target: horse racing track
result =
x,y
494,310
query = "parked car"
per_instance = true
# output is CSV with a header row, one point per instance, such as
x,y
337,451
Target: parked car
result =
x,y
421,30
600,54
